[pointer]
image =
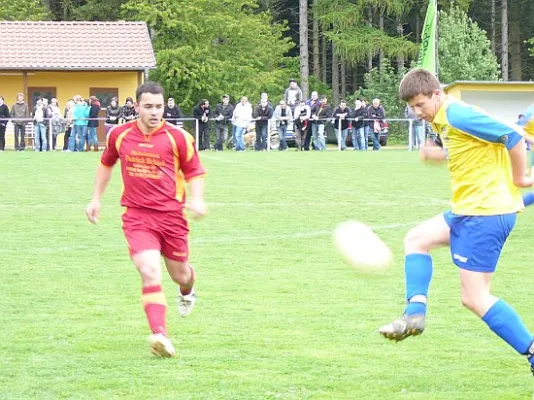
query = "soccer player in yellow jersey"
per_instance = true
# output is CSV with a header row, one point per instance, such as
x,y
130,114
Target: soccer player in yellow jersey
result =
x,y
487,165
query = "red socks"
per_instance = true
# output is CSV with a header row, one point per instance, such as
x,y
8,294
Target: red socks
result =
x,y
155,307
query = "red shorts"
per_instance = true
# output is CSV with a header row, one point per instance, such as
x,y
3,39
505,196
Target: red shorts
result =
x,y
157,230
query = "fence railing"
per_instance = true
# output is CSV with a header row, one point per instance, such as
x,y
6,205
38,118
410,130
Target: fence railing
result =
x,y
29,124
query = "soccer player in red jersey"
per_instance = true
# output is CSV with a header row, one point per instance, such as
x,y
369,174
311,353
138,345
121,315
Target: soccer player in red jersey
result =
x,y
156,160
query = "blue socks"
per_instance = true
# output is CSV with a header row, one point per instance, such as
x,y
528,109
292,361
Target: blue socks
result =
x,y
528,198
504,321
418,272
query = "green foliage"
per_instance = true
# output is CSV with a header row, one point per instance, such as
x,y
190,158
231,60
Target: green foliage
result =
x,y
384,85
345,23
530,43
23,10
207,48
464,51
99,10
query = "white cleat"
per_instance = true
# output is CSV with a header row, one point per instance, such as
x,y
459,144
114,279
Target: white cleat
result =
x,y
161,346
186,303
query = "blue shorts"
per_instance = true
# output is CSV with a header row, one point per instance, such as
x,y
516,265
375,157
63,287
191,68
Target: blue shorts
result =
x,y
476,242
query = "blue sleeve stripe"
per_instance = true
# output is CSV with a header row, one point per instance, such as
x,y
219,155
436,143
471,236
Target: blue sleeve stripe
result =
x,y
479,124
512,140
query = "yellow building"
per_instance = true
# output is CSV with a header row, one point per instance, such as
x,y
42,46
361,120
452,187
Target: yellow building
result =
x,y
62,59
505,100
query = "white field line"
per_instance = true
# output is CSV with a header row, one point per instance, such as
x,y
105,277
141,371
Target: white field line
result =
x,y
207,241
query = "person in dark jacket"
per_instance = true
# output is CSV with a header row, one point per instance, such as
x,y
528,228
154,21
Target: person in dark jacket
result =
x,y
377,114
223,116
359,138
113,114
172,112
341,115
320,113
262,114
4,117
202,113
93,123
128,110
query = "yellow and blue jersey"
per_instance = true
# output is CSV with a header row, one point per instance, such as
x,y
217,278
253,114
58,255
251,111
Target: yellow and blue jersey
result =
x,y
479,164
527,122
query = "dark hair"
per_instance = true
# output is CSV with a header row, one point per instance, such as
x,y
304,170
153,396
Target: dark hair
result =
x,y
148,87
418,81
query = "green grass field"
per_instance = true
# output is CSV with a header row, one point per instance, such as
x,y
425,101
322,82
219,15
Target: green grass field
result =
x,y
279,315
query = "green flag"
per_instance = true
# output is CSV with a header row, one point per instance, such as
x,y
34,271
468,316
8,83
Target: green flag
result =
x,y
427,53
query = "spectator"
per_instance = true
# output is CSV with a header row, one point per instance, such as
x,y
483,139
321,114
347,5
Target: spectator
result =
x,y
53,113
262,114
80,113
241,118
377,114
202,113
282,116
301,117
172,112
224,112
340,115
67,115
93,123
20,111
293,94
418,128
39,129
113,114
320,112
265,97
359,138
4,119
312,126
128,110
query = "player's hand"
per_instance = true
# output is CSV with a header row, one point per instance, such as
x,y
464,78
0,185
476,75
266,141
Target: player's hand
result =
x,y
197,207
92,211
524,182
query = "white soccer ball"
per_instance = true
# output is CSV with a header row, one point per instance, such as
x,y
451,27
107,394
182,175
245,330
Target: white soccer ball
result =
x,y
362,248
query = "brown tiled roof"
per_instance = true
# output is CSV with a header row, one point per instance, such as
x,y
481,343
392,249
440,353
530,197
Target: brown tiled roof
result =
x,y
47,45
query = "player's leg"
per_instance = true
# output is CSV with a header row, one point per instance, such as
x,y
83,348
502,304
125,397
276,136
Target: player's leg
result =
x,y
145,252
183,274
148,264
418,243
476,271
175,249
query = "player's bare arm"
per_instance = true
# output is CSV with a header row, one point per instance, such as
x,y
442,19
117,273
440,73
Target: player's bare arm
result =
x,y
518,157
103,175
196,204
432,153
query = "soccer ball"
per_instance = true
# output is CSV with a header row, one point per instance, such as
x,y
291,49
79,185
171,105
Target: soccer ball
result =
x,y
362,248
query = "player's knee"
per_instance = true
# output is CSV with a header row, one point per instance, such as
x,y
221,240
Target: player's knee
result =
x,y
470,301
149,273
413,241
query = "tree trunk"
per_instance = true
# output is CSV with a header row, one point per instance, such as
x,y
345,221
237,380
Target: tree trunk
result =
x,y
417,28
323,59
355,78
370,55
316,53
335,76
303,46
516,61
492,26
381,51
343,79
400,58
504,36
